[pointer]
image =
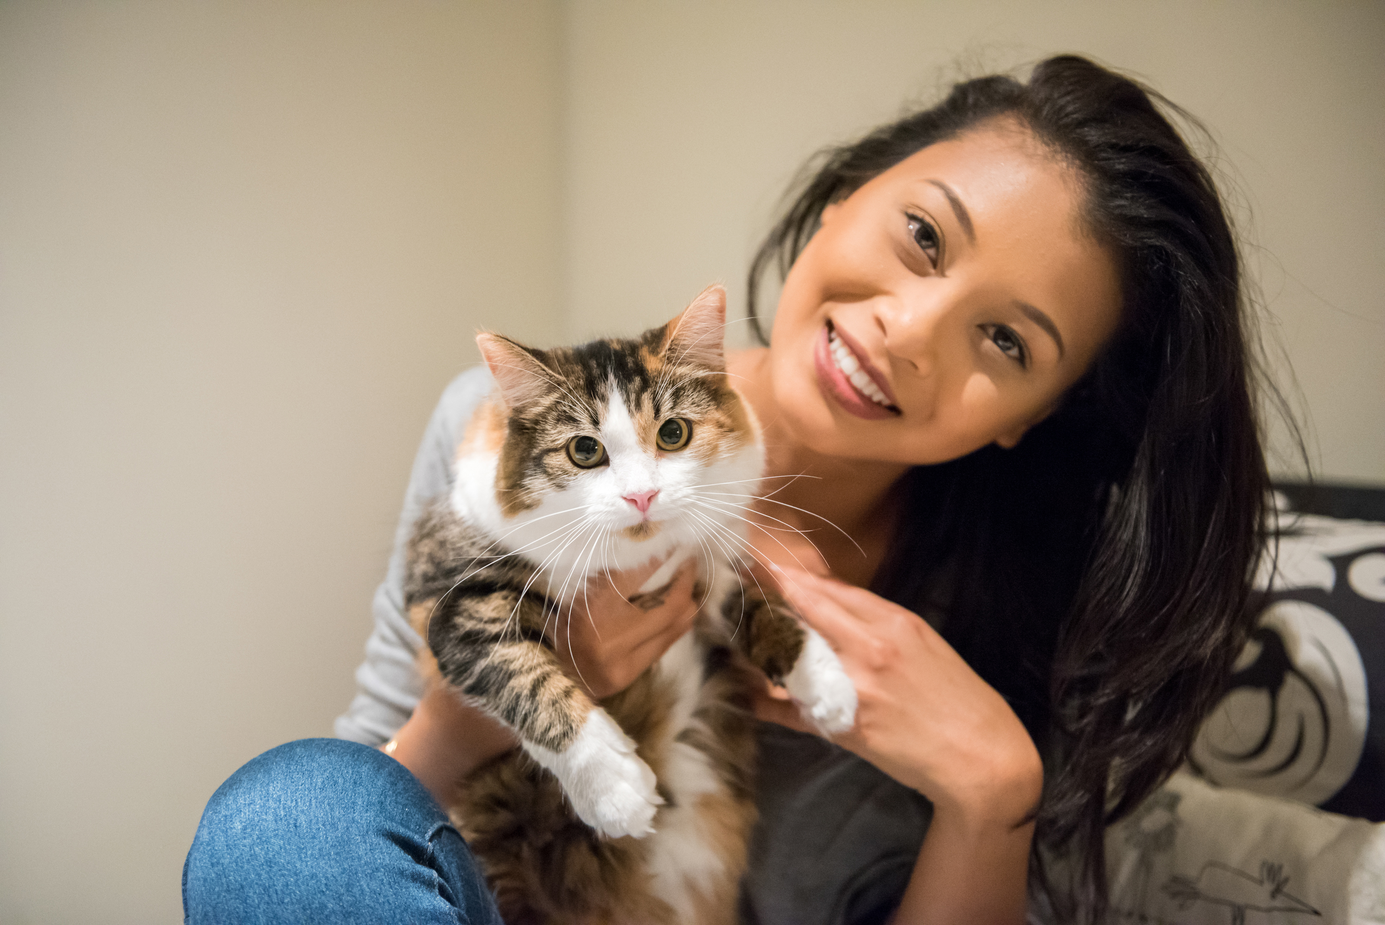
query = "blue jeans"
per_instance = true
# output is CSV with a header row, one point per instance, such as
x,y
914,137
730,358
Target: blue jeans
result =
x,y
324,830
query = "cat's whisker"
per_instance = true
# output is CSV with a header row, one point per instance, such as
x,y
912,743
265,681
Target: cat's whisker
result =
x,y
519,551
707,566
705,540
514,611
550,604
795,507
747,546
558,590
754,517
560,595
537,541
756,481
740,572
586,584
758,519
733,545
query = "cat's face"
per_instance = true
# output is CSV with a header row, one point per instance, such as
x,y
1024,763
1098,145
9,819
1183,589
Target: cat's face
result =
x,y
626,447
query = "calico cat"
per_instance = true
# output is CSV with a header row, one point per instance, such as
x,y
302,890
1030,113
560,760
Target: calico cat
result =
x,y
607,456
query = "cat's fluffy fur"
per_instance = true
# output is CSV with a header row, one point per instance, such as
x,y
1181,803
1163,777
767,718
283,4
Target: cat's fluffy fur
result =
x,y
637,809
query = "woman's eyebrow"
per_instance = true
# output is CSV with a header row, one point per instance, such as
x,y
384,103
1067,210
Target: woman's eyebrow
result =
x,y
958,209
1043,321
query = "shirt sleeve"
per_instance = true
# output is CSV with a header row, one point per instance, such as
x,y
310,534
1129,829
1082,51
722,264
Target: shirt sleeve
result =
x,y
388,686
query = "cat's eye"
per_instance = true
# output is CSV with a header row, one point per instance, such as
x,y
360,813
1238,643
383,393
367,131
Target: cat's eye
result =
x,y
586,452
674,434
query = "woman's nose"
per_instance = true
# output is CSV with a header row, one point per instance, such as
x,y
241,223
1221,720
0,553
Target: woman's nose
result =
x,y
911,327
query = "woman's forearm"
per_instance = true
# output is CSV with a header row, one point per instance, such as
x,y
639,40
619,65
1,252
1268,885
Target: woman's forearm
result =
x,y
444,740
972,871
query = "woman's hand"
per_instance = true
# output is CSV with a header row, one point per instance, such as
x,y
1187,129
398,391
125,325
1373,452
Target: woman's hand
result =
x,y
923,717
613,633
929,721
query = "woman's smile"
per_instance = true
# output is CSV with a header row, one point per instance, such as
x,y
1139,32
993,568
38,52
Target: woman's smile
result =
x,y
846,375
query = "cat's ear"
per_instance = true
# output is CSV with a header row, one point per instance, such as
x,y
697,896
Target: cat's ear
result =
x,y
696,335
521,374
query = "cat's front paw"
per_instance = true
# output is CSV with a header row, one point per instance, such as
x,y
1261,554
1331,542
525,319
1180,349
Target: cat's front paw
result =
x,y
610,788
821,687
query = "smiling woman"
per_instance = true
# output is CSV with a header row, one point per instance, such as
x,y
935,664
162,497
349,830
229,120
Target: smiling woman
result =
x,y
1033,287
1008,368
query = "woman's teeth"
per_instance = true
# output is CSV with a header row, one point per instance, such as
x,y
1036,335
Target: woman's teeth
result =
x,y
851,368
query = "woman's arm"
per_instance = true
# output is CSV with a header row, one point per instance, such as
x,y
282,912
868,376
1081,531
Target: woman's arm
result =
x,y
929,721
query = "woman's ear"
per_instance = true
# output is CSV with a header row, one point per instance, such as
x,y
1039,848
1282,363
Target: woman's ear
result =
x,y
828,211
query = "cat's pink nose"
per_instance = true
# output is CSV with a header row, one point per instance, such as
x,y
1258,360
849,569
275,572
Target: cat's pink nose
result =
x,y
641,499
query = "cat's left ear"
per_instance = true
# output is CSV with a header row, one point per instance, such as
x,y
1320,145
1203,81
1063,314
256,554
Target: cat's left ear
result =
x,y
696,335
522,376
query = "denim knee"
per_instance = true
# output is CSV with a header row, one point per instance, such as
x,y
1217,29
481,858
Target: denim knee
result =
x,y
332,831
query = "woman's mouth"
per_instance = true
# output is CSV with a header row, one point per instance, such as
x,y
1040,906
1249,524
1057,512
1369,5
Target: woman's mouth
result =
x,y
844,376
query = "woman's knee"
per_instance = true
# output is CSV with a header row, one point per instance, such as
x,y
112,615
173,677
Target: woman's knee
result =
x,y
323,829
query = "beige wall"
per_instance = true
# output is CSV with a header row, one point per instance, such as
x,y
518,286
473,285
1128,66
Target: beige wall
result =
x,y
685,121
243,245
242,248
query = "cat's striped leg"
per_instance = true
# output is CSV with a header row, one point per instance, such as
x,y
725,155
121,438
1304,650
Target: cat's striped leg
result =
x,y
794,656
490,647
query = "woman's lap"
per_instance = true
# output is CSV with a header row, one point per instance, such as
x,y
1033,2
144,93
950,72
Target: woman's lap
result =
x,y
332,831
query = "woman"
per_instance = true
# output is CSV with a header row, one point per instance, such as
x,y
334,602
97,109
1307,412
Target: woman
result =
x,y
1009,350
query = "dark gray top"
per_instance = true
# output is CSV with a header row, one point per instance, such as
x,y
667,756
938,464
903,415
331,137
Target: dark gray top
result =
x,y
837,838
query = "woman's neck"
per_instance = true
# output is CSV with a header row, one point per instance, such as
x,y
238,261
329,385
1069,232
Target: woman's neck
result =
x,y
853,495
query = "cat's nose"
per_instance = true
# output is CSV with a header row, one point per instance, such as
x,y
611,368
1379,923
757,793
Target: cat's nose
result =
x,y
641,499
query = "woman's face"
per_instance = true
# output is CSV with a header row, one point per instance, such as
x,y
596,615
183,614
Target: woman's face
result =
x,y
944,305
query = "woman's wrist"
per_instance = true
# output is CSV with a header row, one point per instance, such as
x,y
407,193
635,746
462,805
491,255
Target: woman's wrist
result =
x,y
1006,798
445,740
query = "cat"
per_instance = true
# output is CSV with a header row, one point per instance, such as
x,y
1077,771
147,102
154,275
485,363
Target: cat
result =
x,y
608,456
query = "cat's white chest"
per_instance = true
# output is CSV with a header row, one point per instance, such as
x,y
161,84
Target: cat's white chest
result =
x,y
684,857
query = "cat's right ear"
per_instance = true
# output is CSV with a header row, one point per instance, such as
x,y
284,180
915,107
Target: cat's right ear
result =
x,y
521,375
696,335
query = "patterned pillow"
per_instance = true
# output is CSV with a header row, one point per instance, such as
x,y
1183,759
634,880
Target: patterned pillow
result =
x,y
1304,715
1197,854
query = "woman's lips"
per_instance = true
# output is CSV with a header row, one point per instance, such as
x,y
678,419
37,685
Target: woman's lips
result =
x,y
836,385
867,367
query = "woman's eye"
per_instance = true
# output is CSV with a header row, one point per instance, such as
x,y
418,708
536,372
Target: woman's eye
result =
x,y
674,434
1009,343
586,452
926,237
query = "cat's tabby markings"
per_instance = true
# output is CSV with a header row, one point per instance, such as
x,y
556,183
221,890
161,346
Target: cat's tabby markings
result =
x,y
590,459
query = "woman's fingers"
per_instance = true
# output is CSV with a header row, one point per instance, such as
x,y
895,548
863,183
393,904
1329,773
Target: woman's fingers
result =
x,y
824,611
613,632
628,583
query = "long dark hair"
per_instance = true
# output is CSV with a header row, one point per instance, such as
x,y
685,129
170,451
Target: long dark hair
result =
x,y
1098,574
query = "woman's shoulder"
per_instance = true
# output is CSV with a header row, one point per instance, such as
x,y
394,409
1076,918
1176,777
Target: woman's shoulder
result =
x,y
454,410
462,396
